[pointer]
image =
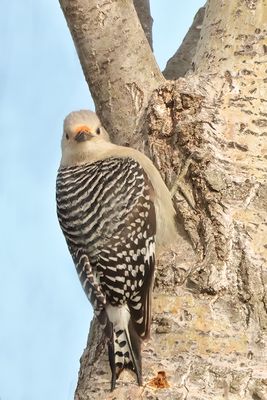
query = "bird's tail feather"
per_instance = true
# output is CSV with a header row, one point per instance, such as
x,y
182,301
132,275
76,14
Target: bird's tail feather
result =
x,y
125,351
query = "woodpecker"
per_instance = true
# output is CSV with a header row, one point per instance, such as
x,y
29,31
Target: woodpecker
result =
x,y
115,211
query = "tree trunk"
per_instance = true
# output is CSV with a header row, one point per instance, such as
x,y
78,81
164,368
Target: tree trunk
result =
x,y
117,61
206,134
142,8
181,62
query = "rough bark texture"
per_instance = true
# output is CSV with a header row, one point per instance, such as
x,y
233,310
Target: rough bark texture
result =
x,y
181,62
207,136
142,8
117,61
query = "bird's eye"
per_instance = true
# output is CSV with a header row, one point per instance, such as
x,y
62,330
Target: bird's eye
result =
x,y
67,136
98,131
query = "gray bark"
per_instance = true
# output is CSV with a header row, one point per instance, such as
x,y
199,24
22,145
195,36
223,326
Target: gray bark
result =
x,y
206,135
181,62
117,61
143,11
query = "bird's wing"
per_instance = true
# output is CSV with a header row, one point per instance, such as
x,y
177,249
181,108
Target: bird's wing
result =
x,y
128,259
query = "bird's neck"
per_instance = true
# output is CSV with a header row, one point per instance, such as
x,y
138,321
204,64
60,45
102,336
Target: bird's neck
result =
x,y
91,152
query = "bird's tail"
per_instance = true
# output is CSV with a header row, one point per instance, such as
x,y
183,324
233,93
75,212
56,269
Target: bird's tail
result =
x,y
124,346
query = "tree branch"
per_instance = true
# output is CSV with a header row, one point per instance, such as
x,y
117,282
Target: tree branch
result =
x,y
181,62
117,61
142,8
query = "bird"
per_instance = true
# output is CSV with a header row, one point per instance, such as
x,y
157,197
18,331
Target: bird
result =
x,y
116,214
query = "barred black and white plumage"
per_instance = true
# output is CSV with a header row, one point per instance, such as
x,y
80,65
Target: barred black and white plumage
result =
x,y
112,207
107,215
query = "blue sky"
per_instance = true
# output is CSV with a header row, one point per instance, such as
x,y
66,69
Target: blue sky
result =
x,y
44,314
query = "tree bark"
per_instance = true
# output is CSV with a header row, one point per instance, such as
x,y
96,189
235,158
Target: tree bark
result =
x,y
206,135
117,61
142,8
181,62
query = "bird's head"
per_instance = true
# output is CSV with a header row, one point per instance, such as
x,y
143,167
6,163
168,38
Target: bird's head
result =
x,y
82,136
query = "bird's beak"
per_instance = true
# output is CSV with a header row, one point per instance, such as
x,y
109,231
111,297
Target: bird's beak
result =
x,y
83,134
